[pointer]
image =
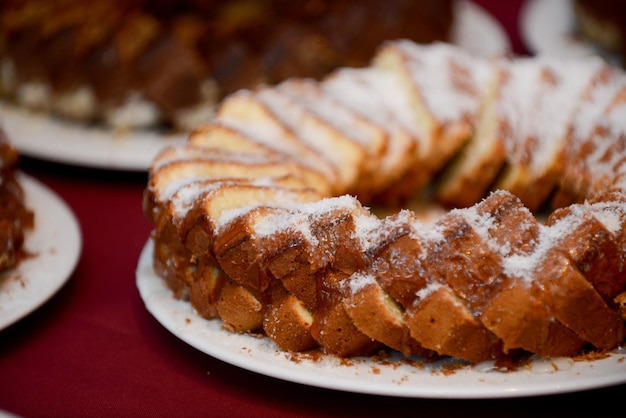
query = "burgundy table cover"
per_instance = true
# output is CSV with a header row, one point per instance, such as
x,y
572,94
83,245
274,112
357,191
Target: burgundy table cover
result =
x,y
94,350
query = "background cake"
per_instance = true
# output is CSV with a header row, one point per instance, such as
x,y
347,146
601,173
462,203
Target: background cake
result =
x,y
15,217
604,23
147,63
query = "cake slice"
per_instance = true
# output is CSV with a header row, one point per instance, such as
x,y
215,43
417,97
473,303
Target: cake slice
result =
x,y
515,310
468,176
329,240
216,134
538,104
346,155
239,310
242,248
198,225
591,240
307,250
575,182
244,113
205,287
185,227
530,311
176,166
606,162
445,86
222,201
377,96
332,327
332,242
376,297
406,290
288,323
314,268
246,246
446,314
583,311
291,244
372,139
377,315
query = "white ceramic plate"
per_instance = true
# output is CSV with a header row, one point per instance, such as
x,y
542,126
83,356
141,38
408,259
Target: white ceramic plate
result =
x,y
477,31
40,136
392,377
549,27
55,244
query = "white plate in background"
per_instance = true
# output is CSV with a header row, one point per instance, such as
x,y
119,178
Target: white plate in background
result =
x,y
548,27
477,31
42,136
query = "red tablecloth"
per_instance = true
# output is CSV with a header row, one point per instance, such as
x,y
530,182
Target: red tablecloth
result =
x,y
93,349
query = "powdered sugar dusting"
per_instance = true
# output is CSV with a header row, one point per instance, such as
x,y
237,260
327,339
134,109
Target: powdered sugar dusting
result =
x,y
375,94
610,214
428,290
482,224
538,100
308,93
524,265
186,196
431,233
449,80
359,281
267,131
298,217
292,115
366,232
594,102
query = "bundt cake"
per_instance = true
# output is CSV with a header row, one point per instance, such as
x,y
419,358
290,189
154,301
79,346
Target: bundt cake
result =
x,y
259,219
604,24
15,216
136,63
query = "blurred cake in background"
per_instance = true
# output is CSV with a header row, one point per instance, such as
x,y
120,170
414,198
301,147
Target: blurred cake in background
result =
x,y
138,63
15,217
603,22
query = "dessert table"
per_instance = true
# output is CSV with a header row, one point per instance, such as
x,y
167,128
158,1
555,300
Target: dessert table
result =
x,y
93,349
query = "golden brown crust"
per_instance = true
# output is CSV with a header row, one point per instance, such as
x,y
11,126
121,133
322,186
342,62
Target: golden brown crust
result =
x,y
332,327
594,250
239,309
288,324
522,320
583,310
484,282
517,310
381,318
442,324
205,290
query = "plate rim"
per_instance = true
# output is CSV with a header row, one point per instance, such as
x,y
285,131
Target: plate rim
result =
x,y
42,136
259,355
53,218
